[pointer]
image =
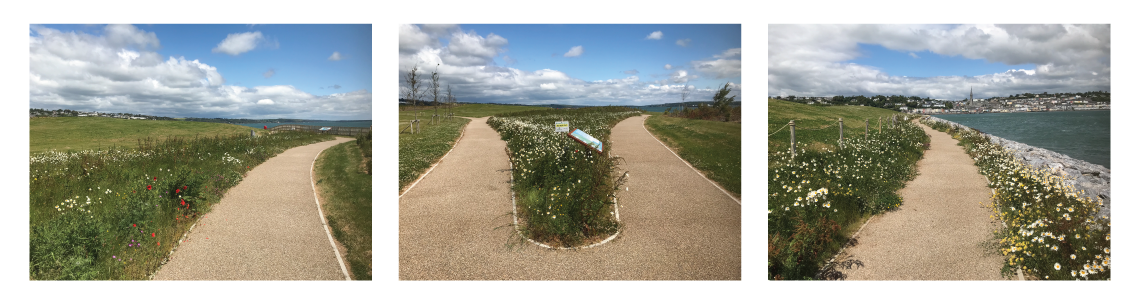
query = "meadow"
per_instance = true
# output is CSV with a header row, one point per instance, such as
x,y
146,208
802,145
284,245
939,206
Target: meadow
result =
x,y
116,213
710,146
345,183
820,195
94,133
1049,231
564,190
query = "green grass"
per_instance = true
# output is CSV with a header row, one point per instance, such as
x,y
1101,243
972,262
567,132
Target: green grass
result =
x,y
811,117
116,214
418,151
346,195
82,133
711,146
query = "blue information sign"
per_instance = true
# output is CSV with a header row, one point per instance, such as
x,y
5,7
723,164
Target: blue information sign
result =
x,y
586,139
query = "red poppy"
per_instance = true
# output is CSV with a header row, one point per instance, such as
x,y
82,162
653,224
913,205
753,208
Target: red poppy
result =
x,y
148,187
185,187
177,191
152,235
133,225
159,243
183,202
155,178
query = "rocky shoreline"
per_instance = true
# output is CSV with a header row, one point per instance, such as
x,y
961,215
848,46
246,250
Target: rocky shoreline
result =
x,y
1094,180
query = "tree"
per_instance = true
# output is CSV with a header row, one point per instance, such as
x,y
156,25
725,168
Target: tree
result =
x,y
412,91
721,101
949,105
450,100
684,94
435,91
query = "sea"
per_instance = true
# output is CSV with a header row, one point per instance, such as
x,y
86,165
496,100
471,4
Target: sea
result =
x,y
355,123
1083,135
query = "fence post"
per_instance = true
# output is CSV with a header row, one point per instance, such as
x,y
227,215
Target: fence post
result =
x,y
840,132
866,128
880,124
792,123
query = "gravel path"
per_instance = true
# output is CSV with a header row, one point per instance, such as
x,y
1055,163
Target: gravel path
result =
x,y
265,228
677,224
941,229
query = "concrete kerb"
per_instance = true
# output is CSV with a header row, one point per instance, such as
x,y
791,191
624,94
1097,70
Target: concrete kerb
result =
x,y
515,216
461,133
321,215
690,165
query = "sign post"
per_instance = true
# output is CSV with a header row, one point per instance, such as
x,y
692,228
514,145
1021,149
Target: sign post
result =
x,y
561,126
586,139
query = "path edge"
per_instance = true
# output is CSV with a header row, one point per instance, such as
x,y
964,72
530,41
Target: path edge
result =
x,y
687,163
462,132
321,214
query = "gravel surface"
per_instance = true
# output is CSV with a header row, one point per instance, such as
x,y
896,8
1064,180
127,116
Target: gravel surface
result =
x,y
677,224
941,229
265,228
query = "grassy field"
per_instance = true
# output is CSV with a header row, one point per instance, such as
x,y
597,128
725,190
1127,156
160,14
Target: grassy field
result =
x,y
116,214
819,196
345,186
81,133
711,146
817,126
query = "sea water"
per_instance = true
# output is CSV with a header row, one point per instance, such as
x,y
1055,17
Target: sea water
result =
x,y
1083,135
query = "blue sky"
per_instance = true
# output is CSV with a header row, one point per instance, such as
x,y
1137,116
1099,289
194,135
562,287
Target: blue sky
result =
x,y
251,71
927,64
576,64
937,61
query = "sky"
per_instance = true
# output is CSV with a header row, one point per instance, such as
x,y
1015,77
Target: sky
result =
x,y
585,64
937,61
208,70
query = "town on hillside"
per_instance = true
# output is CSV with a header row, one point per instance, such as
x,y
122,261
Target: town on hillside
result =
x,y
1027,102
34,112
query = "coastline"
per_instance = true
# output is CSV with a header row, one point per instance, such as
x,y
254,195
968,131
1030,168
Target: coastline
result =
x,y
1092,180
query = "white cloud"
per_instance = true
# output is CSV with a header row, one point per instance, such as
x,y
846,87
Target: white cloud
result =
x,y
913,55
509,60
630,72
238,43
667,66
475,77
726,64
335,56
813,60
654,35
684,42
575,51
269,73
119,72
265,101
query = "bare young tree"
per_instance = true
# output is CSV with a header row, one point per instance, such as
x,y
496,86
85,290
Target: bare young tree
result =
x,y
435,91
412,91
450,101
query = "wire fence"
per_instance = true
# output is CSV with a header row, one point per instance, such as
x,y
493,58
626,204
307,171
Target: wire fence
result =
x,y
894,121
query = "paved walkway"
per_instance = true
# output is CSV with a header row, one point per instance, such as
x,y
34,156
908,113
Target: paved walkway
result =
x,y
940,230
677,224
265,228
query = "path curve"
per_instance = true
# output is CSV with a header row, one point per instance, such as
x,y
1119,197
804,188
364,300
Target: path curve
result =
x,y
677,225
265,228
941,229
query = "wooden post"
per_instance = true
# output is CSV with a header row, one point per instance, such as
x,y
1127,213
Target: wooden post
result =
x,y
792,123
840,132
880,124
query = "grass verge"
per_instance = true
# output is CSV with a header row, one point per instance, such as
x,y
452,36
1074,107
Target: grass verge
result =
x,y
419,151
1049,232
92,133
565,190
818,195
346,195
116,214
710,146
